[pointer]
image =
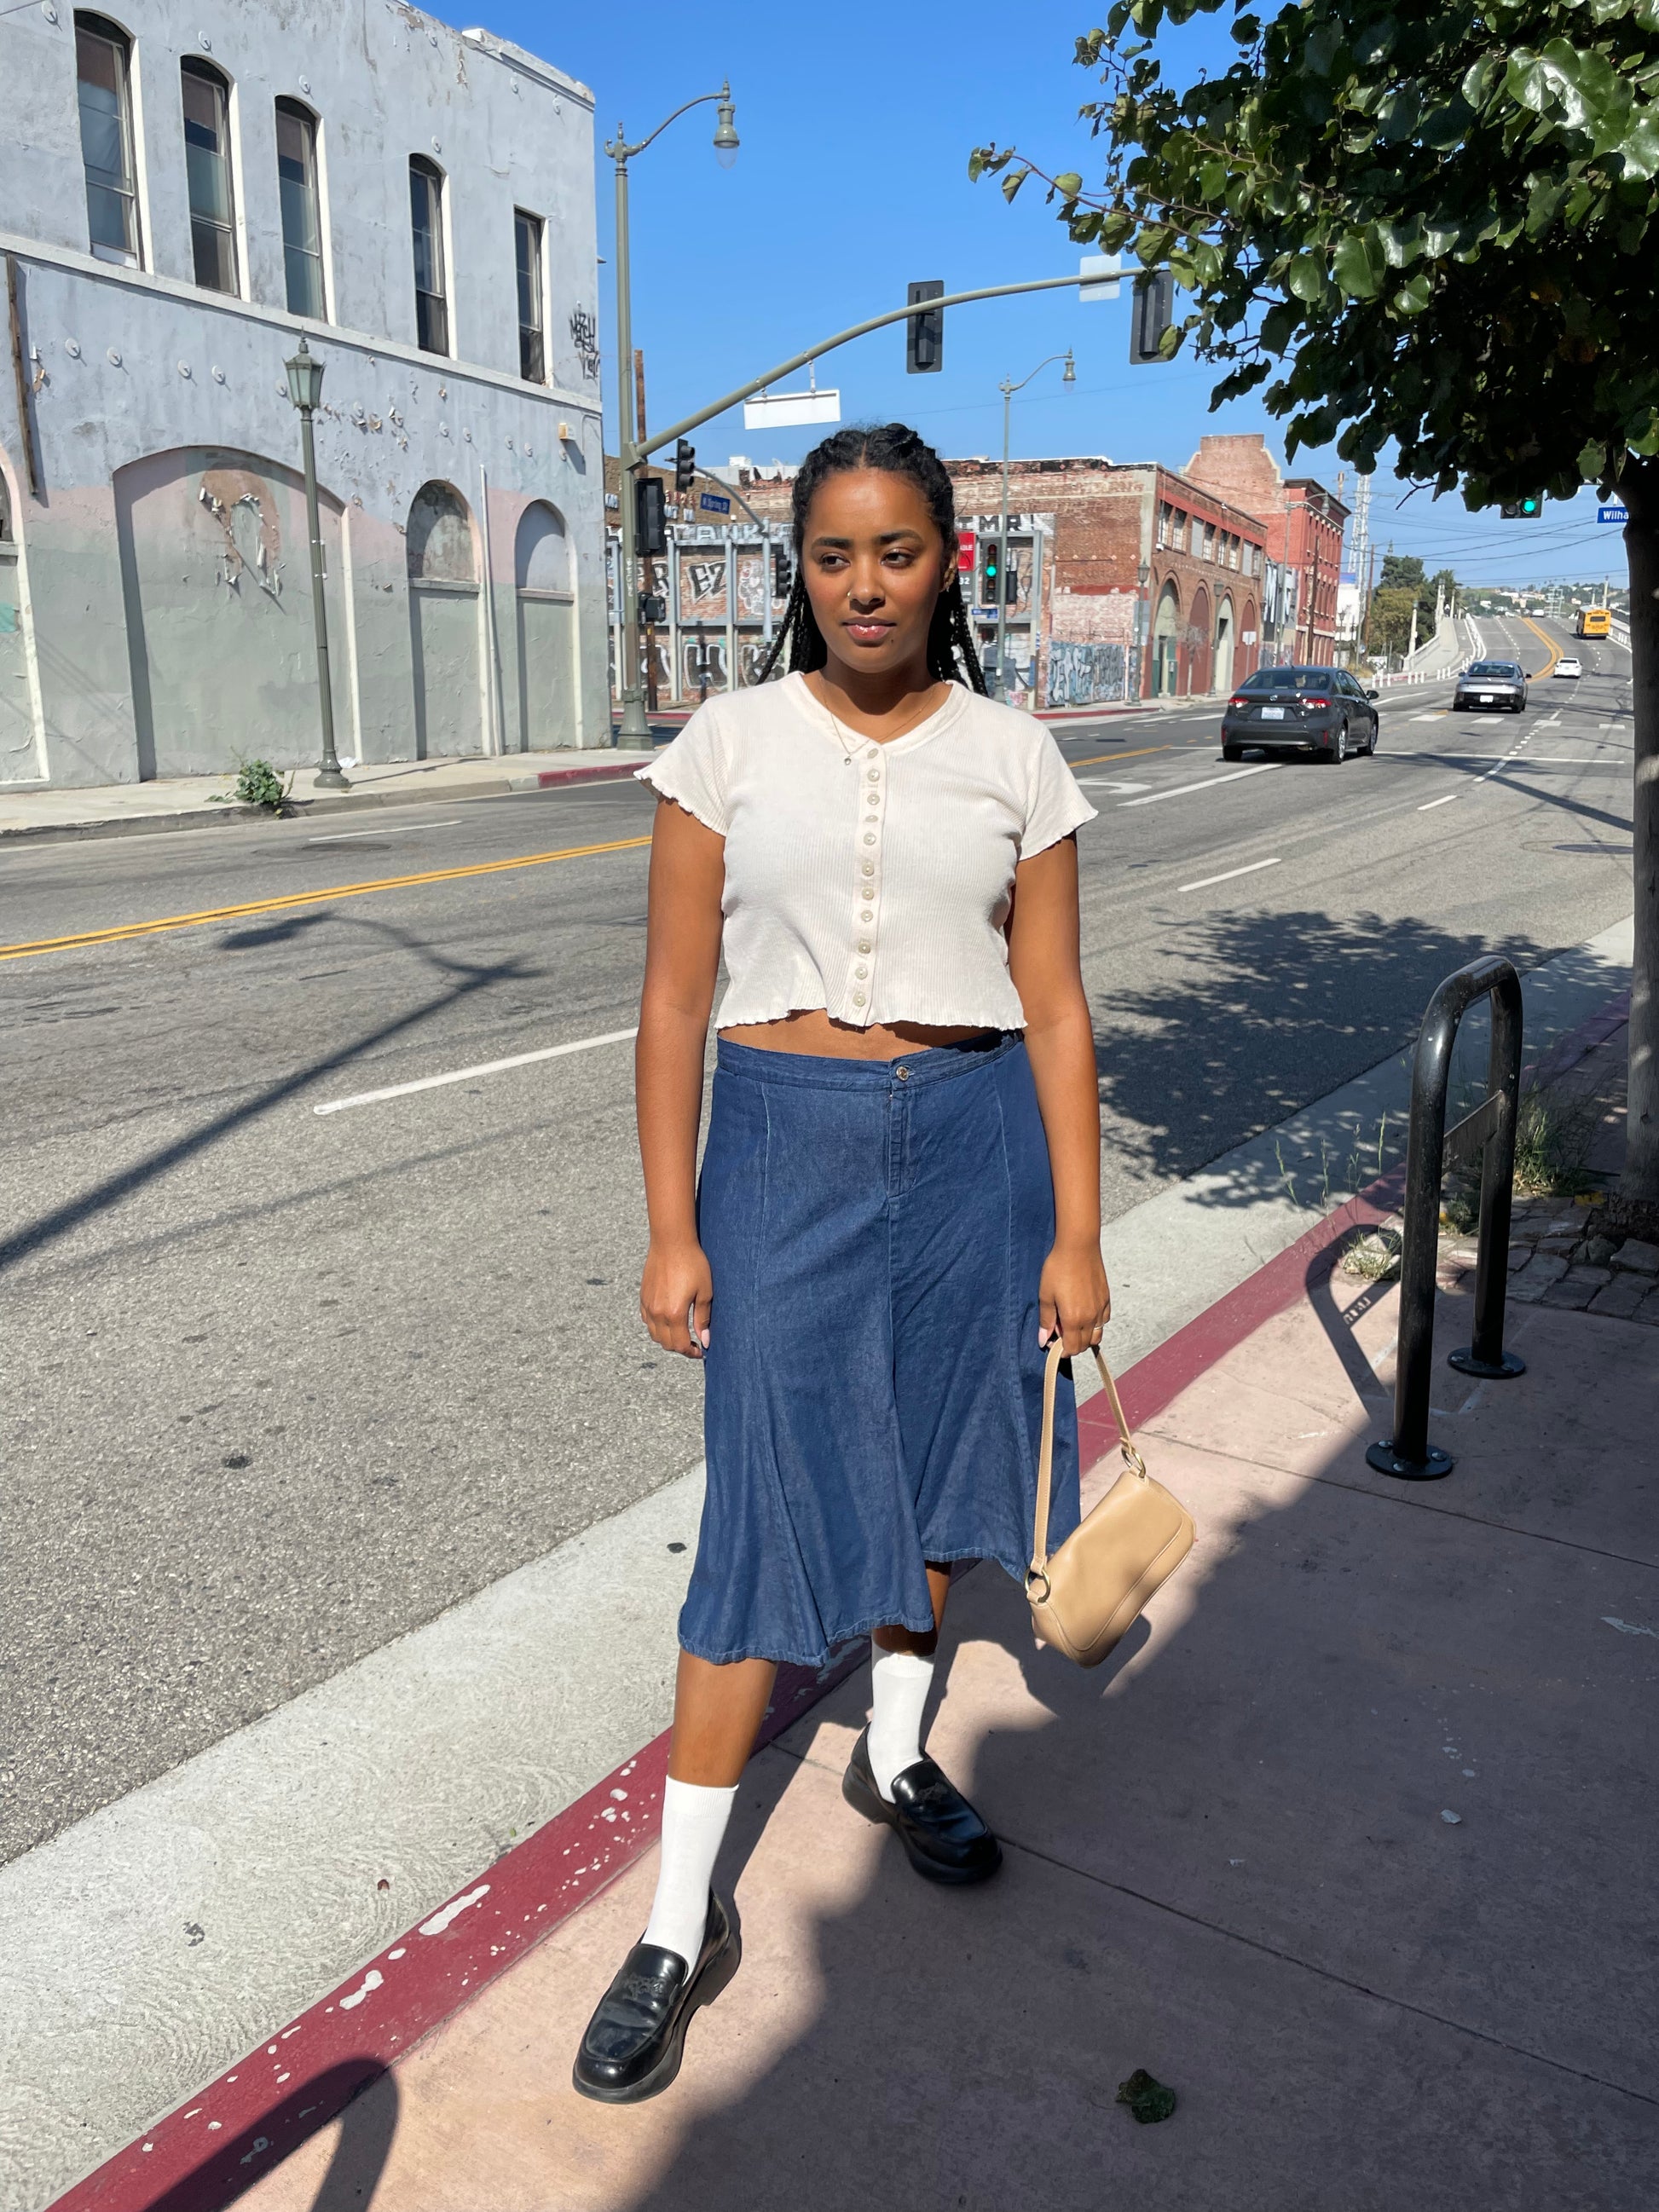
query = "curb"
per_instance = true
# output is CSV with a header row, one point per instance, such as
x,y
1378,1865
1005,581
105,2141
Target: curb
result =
x,y
213,817
203,2155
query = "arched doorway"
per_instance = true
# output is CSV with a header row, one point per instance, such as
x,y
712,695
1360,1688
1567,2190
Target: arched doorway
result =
x,y
546,609
216,575
1198,643
443,620
1248,657
1166,630
1221,677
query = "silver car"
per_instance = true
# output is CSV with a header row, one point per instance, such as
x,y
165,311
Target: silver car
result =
x,y
1491,684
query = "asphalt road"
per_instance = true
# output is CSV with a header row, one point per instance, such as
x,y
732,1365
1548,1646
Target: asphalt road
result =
x,y
280,1384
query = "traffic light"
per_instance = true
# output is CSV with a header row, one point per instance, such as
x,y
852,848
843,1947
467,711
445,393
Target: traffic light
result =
x,y
1152,311
781,577
653,608
1531,506
1011,584
650,521
685,466
991,570
924,335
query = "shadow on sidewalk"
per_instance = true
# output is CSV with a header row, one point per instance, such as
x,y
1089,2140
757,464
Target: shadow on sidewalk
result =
x,y
1348,1850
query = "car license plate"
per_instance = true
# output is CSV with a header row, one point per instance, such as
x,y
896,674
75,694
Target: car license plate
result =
x,y
1273,713
1486,698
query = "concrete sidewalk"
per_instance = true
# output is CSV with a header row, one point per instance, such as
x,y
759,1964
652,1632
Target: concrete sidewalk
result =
x,y
203,802
1348,1843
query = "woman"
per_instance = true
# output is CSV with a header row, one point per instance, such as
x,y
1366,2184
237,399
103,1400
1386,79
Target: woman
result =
x,y
900,1197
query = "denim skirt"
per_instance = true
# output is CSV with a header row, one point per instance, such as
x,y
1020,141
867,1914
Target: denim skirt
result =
x,y
873,1382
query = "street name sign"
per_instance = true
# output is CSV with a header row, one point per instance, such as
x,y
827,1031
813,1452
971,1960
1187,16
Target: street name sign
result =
x,y
715,503
784,411
1099,276
1612,513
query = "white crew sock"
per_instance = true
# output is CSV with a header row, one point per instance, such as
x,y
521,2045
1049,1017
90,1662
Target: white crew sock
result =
x,y
693,1821
899,1683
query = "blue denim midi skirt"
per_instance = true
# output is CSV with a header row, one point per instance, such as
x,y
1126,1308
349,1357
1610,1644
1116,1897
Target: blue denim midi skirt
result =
x,y
873,1382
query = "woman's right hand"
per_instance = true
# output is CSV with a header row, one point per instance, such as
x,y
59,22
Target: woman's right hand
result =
x,y
676,1292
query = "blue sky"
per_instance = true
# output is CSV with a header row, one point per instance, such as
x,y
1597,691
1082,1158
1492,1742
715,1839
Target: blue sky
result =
x,y
853,179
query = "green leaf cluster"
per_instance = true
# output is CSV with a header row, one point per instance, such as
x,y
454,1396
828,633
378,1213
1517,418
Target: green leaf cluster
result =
x,y
1429,222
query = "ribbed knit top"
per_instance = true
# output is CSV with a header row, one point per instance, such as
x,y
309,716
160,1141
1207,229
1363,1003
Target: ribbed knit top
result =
x,y
872,880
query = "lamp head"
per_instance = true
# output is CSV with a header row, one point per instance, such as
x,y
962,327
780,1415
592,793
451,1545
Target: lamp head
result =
x,y
305,379
1068,375
725,136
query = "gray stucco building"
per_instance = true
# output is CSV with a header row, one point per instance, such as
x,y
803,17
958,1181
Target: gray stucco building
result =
x,y
185,186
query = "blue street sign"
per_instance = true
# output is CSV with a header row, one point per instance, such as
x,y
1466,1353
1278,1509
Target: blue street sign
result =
x,y
1613,514
715,503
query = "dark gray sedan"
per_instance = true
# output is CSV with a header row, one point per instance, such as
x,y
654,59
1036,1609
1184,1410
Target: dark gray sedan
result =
x,y
1486,686
1321,712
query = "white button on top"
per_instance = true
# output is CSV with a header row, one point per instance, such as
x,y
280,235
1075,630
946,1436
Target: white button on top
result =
x,y
869,836
873,775
860,973
869,865
857,998
864,945
866,915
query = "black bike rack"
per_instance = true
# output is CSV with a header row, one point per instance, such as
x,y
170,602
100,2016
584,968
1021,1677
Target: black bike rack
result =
x,y
1490,1130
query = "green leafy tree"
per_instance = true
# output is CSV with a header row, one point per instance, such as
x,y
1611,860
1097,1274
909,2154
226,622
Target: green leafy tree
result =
x,y
1389,625
1432,225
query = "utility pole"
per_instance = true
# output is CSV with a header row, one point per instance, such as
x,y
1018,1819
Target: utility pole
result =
x,y
1362,550
648,627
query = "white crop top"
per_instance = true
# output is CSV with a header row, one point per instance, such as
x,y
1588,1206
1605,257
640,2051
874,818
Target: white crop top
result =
x,y
872,880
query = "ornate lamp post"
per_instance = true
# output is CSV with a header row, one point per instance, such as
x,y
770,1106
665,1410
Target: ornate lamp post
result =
x,y
635,728
1008,391
305,389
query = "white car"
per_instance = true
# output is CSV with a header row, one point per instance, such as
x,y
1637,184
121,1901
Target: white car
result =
x,y
1570,666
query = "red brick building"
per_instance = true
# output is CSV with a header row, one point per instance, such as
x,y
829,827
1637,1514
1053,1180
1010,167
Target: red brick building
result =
x,y
1124,581
1305,525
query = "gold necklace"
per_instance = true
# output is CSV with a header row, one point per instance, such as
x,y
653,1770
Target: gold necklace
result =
x,y
848,740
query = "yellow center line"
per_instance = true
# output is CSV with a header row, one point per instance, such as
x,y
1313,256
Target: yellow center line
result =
x,y
307,898
1094,760
1555,650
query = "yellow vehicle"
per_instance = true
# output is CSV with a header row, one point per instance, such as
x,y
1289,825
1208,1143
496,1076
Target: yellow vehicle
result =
x,y
1594,621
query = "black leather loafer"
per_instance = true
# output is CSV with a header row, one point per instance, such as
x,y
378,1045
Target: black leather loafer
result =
x,y
635,2040
943,1837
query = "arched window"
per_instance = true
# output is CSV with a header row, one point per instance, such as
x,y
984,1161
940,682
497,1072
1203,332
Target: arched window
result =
x,y
439,545
103,65
207,173
542,550
426,217
301,194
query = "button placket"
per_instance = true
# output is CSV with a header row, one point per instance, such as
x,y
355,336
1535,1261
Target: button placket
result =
x,y
867,883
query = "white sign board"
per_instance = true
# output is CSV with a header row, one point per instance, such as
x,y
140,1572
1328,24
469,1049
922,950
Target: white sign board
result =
x,y
783,410
1098,276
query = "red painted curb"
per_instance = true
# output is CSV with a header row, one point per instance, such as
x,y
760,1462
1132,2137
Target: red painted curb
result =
x,y
601,772
205,2154
202,2156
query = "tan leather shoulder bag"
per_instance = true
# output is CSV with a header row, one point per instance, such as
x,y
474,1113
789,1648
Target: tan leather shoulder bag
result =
x,y
1084,1596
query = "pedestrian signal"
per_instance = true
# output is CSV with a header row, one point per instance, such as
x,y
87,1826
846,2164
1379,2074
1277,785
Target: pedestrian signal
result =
x,y
685,466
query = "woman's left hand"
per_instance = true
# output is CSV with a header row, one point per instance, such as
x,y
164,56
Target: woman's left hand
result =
x,y
1073,1296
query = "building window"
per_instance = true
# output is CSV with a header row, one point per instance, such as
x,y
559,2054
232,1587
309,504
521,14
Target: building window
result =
x,y
207,172
103,62
426,216
301,202
1163,527
528,232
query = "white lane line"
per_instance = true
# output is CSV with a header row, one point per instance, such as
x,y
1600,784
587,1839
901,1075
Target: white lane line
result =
x,y
464,1074
1105,783
1446,801
408,830
1180,790
1203,882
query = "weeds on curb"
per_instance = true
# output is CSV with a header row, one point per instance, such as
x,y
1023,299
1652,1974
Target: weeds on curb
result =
x,y
258,784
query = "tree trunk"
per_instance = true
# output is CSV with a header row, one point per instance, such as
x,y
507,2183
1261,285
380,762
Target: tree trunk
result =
x,y
1640,488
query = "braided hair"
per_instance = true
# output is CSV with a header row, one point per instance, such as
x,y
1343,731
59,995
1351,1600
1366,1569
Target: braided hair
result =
x,y
894,448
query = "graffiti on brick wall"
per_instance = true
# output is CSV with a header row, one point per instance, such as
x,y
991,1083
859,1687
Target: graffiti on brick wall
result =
x,y
1080,674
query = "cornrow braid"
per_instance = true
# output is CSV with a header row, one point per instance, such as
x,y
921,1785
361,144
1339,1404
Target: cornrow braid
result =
x,y
896,449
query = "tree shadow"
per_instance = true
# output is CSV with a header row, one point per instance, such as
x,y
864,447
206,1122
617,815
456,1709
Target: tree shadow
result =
x,y
465,981
1259,1015
1227,1862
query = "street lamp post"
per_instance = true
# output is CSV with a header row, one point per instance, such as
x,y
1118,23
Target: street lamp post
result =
x,y
635,727
1008,390
305,389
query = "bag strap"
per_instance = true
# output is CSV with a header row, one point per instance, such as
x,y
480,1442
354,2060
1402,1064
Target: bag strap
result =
x,y
1132,1458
